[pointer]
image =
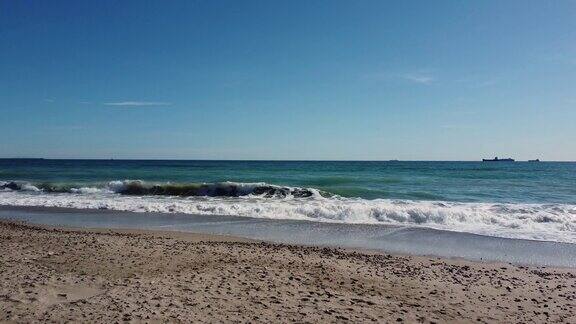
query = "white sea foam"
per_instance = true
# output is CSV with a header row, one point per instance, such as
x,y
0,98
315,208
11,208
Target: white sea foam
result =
x,y
553,222
29,187
90,190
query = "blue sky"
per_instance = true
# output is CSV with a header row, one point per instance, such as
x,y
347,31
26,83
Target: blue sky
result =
x,y
352,80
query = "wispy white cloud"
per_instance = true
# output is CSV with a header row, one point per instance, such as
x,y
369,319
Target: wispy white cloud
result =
x,y
49,100
486,83
420,78
137,103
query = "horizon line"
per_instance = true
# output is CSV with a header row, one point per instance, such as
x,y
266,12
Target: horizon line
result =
x,y
256,160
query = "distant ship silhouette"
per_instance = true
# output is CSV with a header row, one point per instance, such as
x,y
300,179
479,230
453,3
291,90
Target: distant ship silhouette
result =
x,y
496,159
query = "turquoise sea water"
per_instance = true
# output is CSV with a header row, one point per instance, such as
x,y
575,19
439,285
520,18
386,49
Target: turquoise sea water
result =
x,y
523,182
510,199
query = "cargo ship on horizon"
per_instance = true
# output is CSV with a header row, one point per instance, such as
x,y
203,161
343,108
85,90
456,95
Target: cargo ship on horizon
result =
x,y
496,159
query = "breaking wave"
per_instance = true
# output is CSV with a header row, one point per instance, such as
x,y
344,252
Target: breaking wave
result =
x,y
552,222
141,188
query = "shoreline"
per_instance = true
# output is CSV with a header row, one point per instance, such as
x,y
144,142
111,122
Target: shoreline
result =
x,y
402,240
58,273
209,237
73,210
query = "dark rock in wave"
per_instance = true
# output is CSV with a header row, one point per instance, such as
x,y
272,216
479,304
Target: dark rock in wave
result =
x,y
213,190
281,192
10,185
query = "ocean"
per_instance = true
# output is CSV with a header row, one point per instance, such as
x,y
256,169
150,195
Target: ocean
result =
x,y
535,201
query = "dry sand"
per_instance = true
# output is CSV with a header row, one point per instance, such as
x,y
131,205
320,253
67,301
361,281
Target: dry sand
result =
x,y
51,274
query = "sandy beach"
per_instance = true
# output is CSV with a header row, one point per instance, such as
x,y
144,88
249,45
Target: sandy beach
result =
x,y
287,161
58,274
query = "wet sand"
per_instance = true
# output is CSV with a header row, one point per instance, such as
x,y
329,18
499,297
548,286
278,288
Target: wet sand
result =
x,y
384,238
58,274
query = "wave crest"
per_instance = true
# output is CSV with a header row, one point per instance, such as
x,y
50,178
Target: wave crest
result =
x,y
142,188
